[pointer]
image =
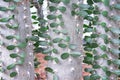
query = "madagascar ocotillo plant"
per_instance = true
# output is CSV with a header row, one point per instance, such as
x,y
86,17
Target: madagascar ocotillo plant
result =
x,y
65,43
108,40
102,45
60,37
16,55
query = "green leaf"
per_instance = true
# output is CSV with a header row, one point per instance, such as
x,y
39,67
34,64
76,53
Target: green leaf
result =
x,y
103,24
73,13
66,1
67,39
61,23
57,40
103,47
88,60
59,16
51,17
105,38
86,77
22,45
47,51
56,31
55,50
22,55
62,9
115,51
6,19
104,68
65,32
75,54
93,45
89,54
34,17
35,22
90,2
11,47
16,0
105,56
7,0
55,1
12,7
41,2
109,62
74,6
87,48
62,45
90,29
17,37
105,78
72,46
115,41
88,39
106,2
97,1
3,8
44,29
9,37
117,72
43,43
48,58
94,35
52,8
94,77
55,77
96,66
65,55
56,60
48,69
84,6
13,74
115,30
116,61
15,26
116,6
52,25
36,64
13,55
33,38
44,35
11,66
105,13
88,69
21,61
82,13
116,18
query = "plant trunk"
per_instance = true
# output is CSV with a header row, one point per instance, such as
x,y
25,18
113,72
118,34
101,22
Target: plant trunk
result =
x,y
101,30
24,71
70,68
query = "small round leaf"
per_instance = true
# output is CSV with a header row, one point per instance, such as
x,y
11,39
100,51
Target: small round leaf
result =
x,y
65,55
13,74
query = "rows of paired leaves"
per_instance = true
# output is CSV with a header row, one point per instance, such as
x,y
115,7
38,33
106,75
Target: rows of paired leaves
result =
x,y
45,45
90,41
90,45
47,41
20,45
